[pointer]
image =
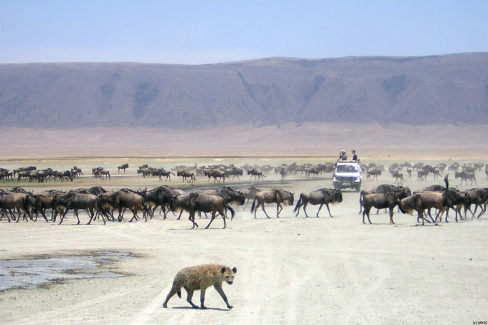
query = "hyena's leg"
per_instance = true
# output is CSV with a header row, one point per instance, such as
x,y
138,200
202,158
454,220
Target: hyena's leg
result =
x,y
222,294
190,295
171,293
202,298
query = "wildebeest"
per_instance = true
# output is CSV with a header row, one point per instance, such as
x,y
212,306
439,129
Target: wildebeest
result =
x,y
422,201
271,196
255,173
123,167
478,197
228,194
422,174
321,196
76,171
383,188
186,174
217,174
398,176
122,200
39,204
193,202
76,201
235,172
16,201
465,175
166,174
372,173
161,196
425,200
382,201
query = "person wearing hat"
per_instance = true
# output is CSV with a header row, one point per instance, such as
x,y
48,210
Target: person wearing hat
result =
x,y
354,156
342,155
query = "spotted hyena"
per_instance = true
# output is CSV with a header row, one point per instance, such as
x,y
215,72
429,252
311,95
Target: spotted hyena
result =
x,y
200,278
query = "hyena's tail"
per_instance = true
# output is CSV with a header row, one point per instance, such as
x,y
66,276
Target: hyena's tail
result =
x,y
179,293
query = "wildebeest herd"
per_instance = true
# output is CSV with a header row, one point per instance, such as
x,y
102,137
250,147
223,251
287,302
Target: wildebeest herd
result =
x,y
433,201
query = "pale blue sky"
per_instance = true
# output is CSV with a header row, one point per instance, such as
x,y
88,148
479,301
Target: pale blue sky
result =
x,y
197,32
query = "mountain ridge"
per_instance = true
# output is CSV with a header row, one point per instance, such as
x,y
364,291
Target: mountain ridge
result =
x,y
438,89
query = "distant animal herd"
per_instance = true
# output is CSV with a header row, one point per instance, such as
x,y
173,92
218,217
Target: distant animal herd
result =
x,y
52,205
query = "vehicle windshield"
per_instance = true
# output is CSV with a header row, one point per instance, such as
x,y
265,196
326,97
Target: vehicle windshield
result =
x,y
346,169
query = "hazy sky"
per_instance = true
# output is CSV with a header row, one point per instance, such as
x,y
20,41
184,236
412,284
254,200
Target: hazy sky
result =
x,y
206,31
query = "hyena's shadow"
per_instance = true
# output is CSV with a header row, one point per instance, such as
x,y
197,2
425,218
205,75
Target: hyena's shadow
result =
x,y
208,308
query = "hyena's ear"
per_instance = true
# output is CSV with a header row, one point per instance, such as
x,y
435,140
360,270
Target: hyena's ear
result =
x,y
222,270
234,270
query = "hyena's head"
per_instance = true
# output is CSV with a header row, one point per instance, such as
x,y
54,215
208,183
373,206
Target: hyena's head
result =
x,y
228,274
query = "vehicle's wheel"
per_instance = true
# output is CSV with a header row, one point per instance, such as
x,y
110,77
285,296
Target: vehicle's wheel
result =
x,y
358,188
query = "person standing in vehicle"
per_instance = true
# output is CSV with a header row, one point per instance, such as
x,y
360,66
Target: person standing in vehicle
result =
x,y
342,156
354,156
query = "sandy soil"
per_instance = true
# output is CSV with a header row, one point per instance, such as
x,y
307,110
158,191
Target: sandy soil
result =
x,y
291,270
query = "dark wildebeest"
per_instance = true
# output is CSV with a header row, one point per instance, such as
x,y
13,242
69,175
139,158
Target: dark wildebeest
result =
x,y
456,200
76,201
66,175
398,176
193,202
76,171
39,204
105,174
271,196
465,175
321,196
123,167
478,197
216,173
380,189
426,200
382,201
372,173
186,174
255,173
166,174
422,174
235,172
122,200
422,201
228,194
161,196
17,201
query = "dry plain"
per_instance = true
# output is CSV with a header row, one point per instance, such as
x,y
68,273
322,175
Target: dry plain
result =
x,y
291,270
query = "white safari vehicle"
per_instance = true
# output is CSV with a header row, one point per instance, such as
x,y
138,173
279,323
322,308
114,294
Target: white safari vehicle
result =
x,y
348,174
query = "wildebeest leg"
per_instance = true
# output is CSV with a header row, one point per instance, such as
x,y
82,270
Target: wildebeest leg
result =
x,y
191,217
4,212
278,209
330,214
366,212
181,212
43,213
439,214
134,214
391,215
212,219
121,214
421,216
305,203
483,210
262,207
77,217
